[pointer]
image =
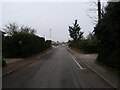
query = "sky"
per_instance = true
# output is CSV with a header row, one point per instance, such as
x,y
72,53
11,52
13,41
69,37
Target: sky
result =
x,y
43,16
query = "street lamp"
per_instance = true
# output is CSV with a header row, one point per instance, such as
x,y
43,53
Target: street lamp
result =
x,y
50,34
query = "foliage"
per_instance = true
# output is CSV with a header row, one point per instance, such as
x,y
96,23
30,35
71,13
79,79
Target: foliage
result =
x,y
48,43
87,46
23,43
25,29
3,63
91,36
107,32
13,28
75,31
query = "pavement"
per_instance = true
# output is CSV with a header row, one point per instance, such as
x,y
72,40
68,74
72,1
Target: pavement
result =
x,y
56,69
89,60
13,60
15,64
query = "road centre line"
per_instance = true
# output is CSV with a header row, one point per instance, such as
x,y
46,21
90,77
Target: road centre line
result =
x,y
77,63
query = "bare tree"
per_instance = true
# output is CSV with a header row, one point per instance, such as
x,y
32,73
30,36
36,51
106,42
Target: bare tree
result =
x,y
25,29
96,10
11,29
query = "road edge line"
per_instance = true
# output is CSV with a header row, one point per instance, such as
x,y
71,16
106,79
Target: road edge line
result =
x,y
77,62
96,73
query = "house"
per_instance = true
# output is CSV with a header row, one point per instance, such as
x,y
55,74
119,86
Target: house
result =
x,y
2,32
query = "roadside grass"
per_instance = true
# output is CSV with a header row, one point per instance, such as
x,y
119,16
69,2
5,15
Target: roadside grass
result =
x,y
113,70
76,49
81,51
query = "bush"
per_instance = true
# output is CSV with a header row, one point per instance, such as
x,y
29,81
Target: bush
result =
x,y
23,45
3,63
91,46
88,46
48,43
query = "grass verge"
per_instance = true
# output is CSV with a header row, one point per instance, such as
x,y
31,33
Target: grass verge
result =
x,y
113,70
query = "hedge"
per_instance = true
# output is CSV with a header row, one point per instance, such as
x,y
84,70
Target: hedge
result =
x,y
88,46
23,45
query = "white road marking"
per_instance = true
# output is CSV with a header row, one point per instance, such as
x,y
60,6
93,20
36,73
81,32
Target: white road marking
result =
x,y
77,63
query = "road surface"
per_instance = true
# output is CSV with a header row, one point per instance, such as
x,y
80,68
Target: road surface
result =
x,y
57,69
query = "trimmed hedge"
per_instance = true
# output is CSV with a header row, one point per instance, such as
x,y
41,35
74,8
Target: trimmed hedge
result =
x,y
88,46
48,43
23,45
3,63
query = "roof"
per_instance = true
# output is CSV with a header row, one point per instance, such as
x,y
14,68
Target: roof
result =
x,y
2,31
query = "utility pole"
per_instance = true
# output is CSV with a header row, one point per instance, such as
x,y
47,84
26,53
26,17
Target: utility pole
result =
x,y
99,10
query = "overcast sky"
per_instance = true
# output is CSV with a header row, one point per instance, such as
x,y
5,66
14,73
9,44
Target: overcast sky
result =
x,y
44,16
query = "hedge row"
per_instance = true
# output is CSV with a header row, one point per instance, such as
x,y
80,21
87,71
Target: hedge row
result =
x,y
88,46
23,45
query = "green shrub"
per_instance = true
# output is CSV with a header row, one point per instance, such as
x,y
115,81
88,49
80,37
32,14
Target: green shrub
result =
x,y
48,43
3,63
91,47
88,46
23,45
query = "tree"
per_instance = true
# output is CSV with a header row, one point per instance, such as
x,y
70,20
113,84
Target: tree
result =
x,y
96,10
27,30
91,36
11,29
99,10
75,32
108,34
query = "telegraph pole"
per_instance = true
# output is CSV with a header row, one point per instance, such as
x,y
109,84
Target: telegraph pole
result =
x,y
99,10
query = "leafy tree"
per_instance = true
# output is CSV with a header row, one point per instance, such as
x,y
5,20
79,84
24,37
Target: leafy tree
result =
x,y
75,32
22,42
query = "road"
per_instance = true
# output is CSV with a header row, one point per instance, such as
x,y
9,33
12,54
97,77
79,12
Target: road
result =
x,y
57,69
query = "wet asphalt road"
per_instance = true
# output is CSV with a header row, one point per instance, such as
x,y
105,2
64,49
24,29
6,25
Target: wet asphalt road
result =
x,y
57,69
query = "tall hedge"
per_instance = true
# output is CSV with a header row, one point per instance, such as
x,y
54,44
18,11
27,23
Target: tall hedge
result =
x,y
23,45
48,43
87,46
108,34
